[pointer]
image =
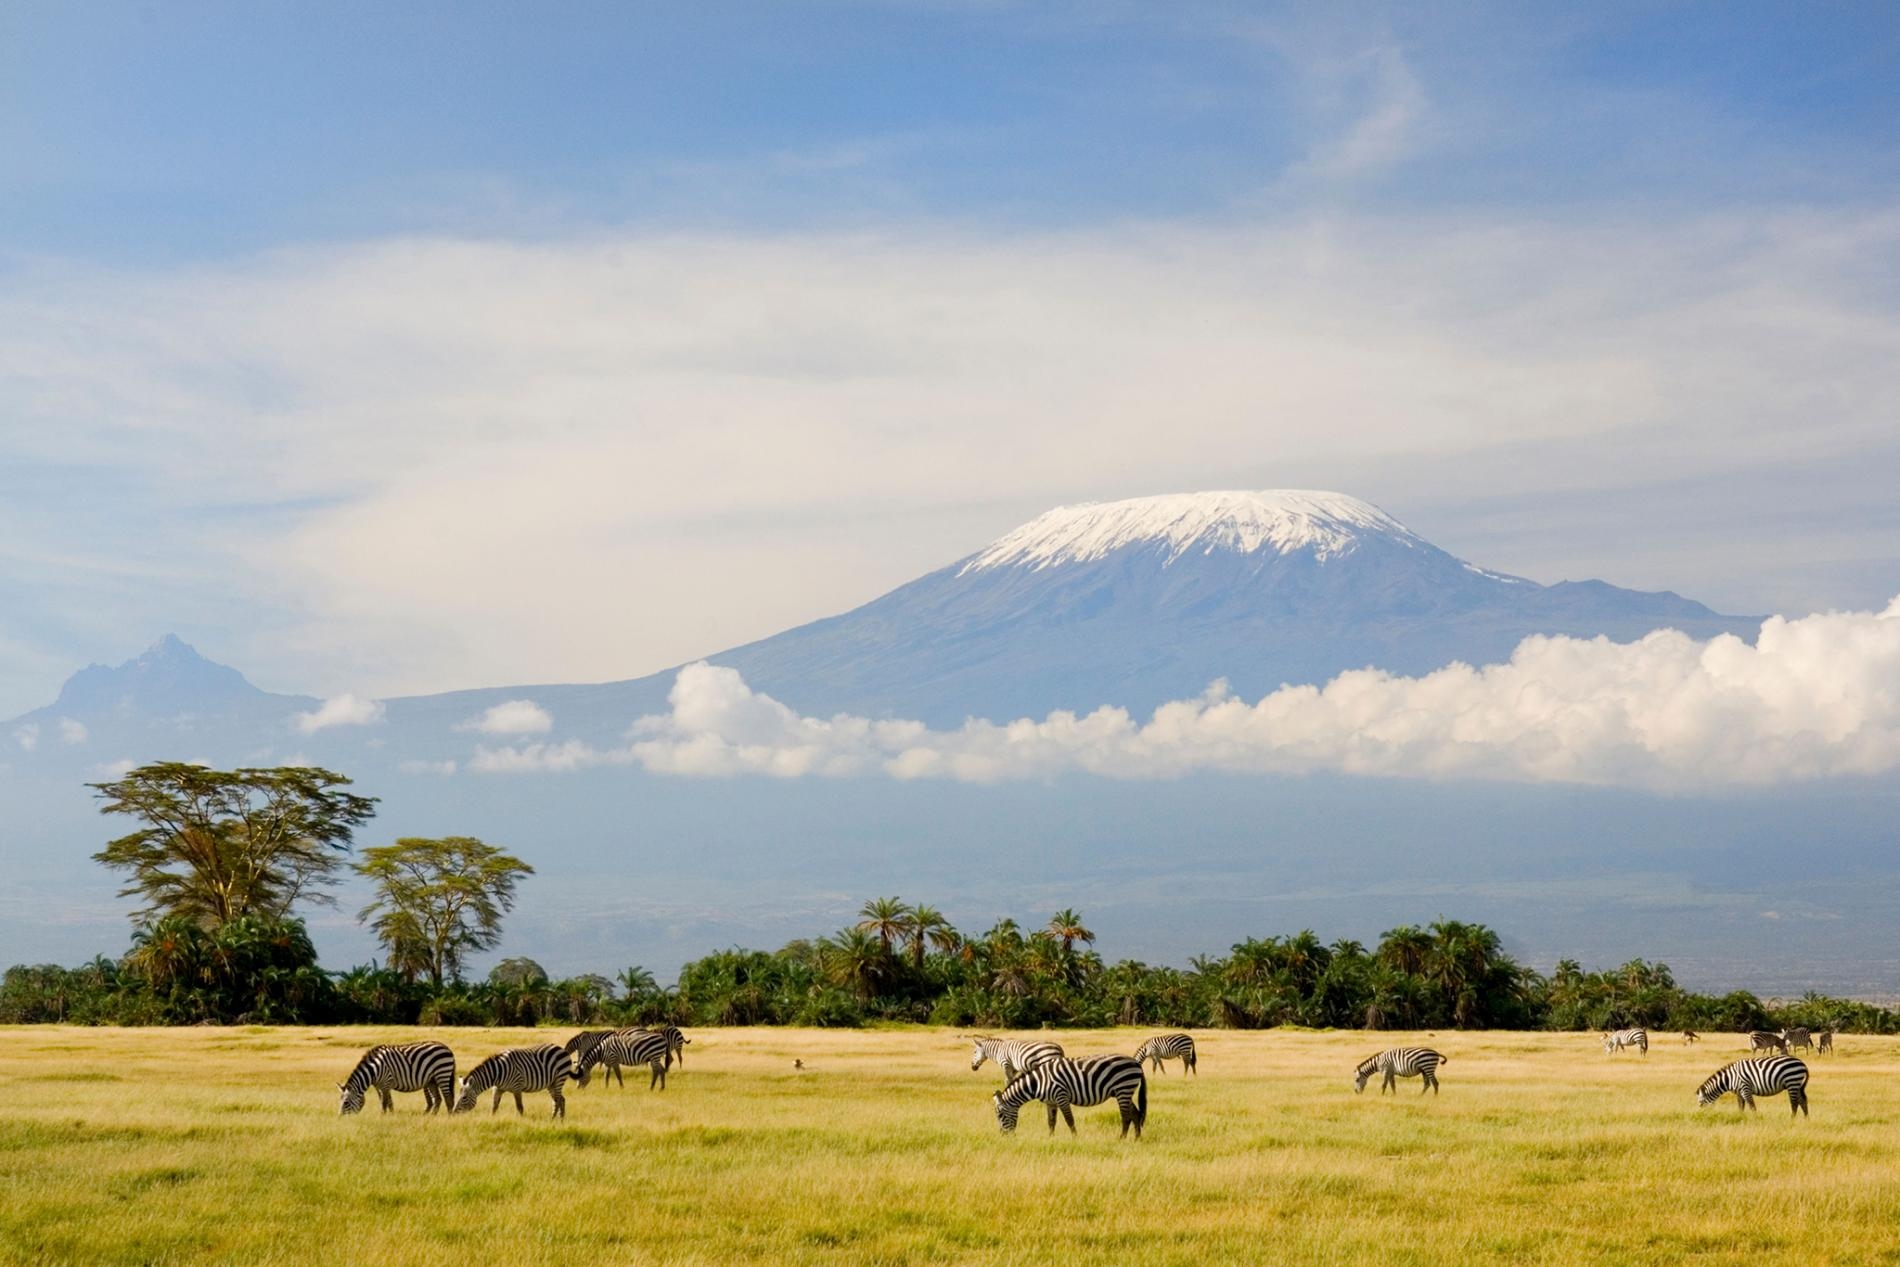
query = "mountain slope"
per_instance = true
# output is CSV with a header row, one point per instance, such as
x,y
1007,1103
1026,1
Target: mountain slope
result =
x,y
1142,601
1130,603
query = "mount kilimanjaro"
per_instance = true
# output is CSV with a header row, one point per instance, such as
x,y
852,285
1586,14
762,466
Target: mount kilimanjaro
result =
x,y
1129,602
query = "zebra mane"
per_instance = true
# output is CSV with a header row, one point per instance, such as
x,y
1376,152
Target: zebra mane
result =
x,y
367,1062
1370,1062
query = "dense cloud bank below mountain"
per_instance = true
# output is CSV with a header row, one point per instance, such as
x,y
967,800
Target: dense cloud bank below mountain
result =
x,y
1815,697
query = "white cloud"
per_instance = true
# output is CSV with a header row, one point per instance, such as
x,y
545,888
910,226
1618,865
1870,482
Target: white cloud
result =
x,y
748,431
1814,698
107,770
27,736
443,768
341,710
512,717
71,732
530,758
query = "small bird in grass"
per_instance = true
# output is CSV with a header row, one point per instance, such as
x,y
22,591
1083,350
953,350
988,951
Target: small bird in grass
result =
x,y
798,1064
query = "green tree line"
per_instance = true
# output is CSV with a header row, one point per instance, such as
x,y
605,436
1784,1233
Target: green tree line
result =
x,y
220,859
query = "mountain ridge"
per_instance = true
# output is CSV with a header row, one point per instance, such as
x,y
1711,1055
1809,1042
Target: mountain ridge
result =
x,y
1132,602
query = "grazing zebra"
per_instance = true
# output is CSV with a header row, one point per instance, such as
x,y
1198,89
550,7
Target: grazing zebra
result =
x,y
1165,1047
1401,1062
1689,1036
1015,1057
1797,1039
1762,1040
428,1067
628,1047
1765,1075
1092,1080
544,1068
675,1043
581,1046
1826,1046
1637,1038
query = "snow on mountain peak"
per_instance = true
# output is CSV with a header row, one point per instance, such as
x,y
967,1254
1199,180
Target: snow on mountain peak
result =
x,y
1284,520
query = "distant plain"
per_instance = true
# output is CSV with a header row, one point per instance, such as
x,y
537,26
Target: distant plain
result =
x,y
224,1145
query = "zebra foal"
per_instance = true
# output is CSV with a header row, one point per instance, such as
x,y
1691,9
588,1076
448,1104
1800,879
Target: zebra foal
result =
x,y
1637,1038
1165,1047
1400,1062
428,1067
1014,1056
1763,1075
544,1068
1087,1082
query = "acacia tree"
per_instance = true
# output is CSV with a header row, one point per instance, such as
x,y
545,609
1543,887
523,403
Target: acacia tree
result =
x,y
220,845
438,900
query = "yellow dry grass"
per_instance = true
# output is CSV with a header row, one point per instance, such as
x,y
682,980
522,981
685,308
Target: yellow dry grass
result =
x,y
210,1145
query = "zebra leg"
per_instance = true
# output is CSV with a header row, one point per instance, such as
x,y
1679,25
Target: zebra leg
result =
x,y
1431,1084
1391,1083
389,1101
428,1098
560,1101
619,1078
1051,1106
1068,1115
1192,1065
497,1105
1798,1100
659,1076
1126,1103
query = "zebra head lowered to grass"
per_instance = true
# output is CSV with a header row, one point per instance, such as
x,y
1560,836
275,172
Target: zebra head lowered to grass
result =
x,y
1761,1075
1014,1057
1090,1081
1765,1040
628,1047
544,1068
428,1067
1400,1062
1165,1047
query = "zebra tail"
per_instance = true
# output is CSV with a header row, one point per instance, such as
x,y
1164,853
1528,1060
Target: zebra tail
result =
x,y
1141,1103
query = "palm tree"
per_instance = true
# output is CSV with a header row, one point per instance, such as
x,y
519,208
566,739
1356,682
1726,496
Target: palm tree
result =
x,y
929,928
888,919
857,959
636,982
1066,926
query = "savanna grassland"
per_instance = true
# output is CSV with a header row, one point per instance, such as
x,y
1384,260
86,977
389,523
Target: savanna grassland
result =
x,y
224,1145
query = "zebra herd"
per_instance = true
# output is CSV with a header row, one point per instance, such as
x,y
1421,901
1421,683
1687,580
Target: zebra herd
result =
x,y
1033,1069
429,1067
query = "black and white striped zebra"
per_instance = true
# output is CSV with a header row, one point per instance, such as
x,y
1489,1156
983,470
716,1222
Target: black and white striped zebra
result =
x,y
1766,1040
675,1043
544,1068
1092,1080
1014,1056
581,1046
628,1047
1617,1041
1400,1062
428,1067
1824,1043
1762,1075
1797,1039
1164,1047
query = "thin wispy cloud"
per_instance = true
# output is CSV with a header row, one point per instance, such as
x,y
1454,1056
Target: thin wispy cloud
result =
x,y
1813,698
642,404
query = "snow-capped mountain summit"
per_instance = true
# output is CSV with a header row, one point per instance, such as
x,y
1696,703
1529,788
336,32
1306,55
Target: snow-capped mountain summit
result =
x,y
1142,601
1282,520
1131,603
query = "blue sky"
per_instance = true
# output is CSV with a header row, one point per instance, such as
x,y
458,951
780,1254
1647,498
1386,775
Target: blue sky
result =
x,y
743,313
